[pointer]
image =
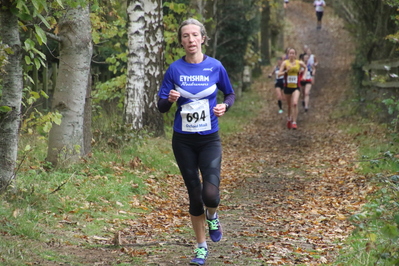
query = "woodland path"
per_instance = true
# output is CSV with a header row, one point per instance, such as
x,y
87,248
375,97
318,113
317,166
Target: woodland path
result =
x,y
286,195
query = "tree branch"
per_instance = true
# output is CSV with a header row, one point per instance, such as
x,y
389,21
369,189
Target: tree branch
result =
x,y
53,36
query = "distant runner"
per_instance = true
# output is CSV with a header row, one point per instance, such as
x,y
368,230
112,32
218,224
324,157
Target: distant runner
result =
x,y
313,61
319,6
291,68
306,83
279,85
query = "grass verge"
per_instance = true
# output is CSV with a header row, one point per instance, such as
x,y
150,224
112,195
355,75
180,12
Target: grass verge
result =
x,y
375,239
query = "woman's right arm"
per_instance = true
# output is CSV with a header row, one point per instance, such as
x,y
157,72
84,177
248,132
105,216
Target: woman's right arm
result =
x,y
165,101
164,105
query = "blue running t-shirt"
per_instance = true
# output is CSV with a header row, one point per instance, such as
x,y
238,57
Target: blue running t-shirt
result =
x,y
198,85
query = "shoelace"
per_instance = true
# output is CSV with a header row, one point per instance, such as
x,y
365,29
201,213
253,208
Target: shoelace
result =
x,y
213,224
201,253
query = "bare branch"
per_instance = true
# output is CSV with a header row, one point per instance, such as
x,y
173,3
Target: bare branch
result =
x,y
53,36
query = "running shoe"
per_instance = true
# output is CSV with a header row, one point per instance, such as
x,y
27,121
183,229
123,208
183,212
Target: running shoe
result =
x,y
280,111
289,124
200,256
306,110
215,229
293,125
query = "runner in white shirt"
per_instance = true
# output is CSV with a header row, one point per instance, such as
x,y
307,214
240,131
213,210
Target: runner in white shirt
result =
x,y
319,6
306,83
313,62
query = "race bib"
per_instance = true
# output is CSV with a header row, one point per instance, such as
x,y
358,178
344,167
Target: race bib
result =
x,y
308,75
292,79
195,116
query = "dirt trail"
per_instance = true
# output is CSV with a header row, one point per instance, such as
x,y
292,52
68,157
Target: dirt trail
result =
x,y
294,210
286,195
288,203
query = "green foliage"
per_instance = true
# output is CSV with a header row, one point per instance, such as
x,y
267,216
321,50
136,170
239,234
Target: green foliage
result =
x,y
174,14
34,56
373,44
240,113
5,50
374,241
235,34
35,121
109,91
32,16
393,108
113,50
42,123
5,109
110,39
109,34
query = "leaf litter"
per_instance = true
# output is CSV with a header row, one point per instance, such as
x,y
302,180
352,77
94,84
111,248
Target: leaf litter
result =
x,y
286,195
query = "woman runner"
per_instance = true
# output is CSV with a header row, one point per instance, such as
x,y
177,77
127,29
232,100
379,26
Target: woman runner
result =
x,y
306,83
313,62
278,85
193,82
319,7
290,68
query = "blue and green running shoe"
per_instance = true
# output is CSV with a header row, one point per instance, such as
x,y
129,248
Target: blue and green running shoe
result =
x,y
200,256
215,229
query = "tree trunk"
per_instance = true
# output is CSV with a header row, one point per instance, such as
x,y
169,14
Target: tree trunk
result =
x,y
212,26
66,141
198,6
87,134
12,96
265,33
280,36
145,61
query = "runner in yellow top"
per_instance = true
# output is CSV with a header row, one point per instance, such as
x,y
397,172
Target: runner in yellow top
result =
x,y
291,68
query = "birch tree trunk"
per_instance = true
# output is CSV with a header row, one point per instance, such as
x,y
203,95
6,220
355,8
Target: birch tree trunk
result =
x,y
145,65
66,141
12,96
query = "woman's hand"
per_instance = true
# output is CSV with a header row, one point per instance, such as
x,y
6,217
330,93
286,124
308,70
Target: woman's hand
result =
x,y
173,96
220,109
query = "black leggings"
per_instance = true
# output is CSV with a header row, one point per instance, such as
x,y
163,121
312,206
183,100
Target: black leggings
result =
x,y
194,153
319,15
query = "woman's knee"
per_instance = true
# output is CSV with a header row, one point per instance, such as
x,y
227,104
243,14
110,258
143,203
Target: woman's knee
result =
x,y
196,209
212,202
210,192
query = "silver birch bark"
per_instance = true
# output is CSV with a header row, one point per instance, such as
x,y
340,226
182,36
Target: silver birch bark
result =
x,y
66,141
145,61
12,96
